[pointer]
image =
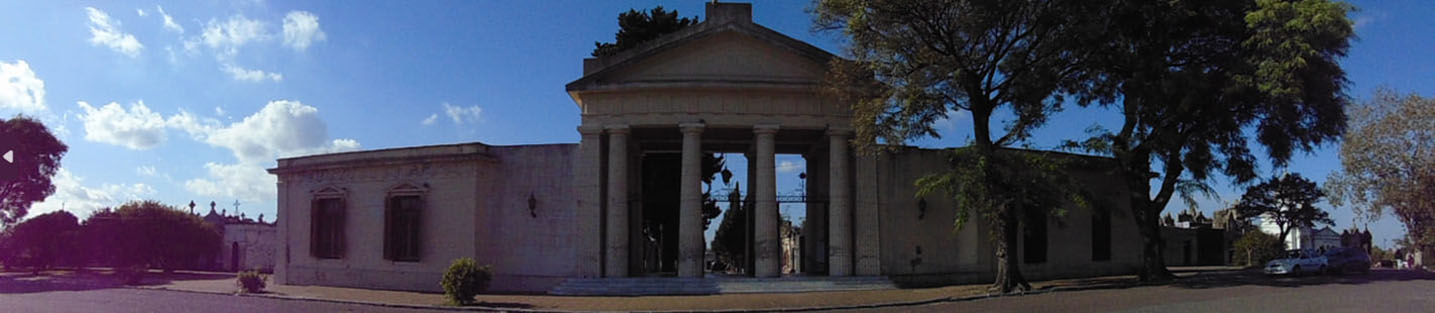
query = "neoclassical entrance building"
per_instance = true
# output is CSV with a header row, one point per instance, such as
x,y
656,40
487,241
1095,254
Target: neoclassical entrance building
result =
x,y
543,214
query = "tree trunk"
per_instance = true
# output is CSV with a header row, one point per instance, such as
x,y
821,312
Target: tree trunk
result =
x,y
1136,168
1009,278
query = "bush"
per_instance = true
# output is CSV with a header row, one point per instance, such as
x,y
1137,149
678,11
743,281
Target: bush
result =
x,y
1255,248
464,280
132,274
251,281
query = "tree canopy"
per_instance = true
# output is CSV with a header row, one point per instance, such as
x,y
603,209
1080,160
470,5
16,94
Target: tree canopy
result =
x,y
1287,200
42,241
636,27
1190,78
919,61
1388,163
37,159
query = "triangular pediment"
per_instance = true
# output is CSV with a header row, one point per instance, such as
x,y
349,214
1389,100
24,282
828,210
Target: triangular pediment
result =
x,y
727,56
730,52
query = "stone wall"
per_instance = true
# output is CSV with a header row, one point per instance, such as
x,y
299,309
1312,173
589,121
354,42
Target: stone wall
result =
x,y
256,245
919,245
475,205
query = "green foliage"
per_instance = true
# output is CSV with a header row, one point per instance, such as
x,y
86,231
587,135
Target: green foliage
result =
x,y
42,242
1194,78
251,281
729,241
1289,200
1388,164
989,184
464,280
1255,248
918,61
27,180
636,27
126,236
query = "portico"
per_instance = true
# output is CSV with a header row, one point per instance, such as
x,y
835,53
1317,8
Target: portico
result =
x,y
726,85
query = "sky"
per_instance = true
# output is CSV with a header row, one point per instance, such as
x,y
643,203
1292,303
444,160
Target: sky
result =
x,y
191,100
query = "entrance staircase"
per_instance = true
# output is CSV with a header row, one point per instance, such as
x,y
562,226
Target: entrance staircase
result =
x,y
643,286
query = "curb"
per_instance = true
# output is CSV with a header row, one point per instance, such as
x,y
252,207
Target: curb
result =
x,y
481,308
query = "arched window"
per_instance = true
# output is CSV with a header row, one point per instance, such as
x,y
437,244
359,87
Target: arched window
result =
x,y
326,224
403,213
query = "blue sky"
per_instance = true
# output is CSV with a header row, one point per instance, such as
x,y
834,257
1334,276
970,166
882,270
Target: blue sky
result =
x,y
191,100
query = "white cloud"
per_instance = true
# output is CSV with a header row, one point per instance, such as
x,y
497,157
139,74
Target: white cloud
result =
x,y
169,23
430,120
136,128
228,36
104,31
140,12
146,170
788,167
459,115
219,111
949,123
243,181
281,129
301,28
72,195
250,75
20,89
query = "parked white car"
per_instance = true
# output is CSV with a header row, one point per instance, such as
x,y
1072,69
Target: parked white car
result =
x,y
1297,262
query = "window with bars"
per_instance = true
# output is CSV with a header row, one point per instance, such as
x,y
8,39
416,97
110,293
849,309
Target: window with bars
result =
x,y
402,225
327,228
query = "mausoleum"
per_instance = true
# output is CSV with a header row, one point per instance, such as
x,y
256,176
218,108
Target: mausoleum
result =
x,y
546,214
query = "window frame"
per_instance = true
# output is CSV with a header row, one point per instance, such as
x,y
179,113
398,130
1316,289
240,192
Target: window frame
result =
x,y
327,224
395,214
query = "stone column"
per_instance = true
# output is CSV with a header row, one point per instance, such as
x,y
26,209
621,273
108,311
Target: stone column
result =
x,y
617,254
588,196
839,209
690,215
766,219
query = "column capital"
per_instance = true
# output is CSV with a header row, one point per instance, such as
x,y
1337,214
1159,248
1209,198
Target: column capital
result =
x,y
765,129
839,131
587,130
691,128
621,129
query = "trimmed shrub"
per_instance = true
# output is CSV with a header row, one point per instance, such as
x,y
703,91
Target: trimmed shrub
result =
x,y
464,280
251,281
131,274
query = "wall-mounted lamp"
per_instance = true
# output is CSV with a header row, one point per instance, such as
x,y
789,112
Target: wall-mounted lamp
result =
x,y
532,205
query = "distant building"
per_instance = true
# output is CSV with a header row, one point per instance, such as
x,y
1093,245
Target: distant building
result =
x,y
1301,237
248,244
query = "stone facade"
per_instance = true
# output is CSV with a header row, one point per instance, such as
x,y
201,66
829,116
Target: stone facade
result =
x,y
544,213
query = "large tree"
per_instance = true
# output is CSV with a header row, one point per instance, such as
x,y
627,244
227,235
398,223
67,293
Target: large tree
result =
x,y
919,61
43,241
1286,200
1388,164
129,237
36,156
636,27
1194,80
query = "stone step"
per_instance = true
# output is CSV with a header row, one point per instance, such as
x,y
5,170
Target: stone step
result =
x,y
702,286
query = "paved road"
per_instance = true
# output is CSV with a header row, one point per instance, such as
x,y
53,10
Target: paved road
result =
x,y
1379,291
